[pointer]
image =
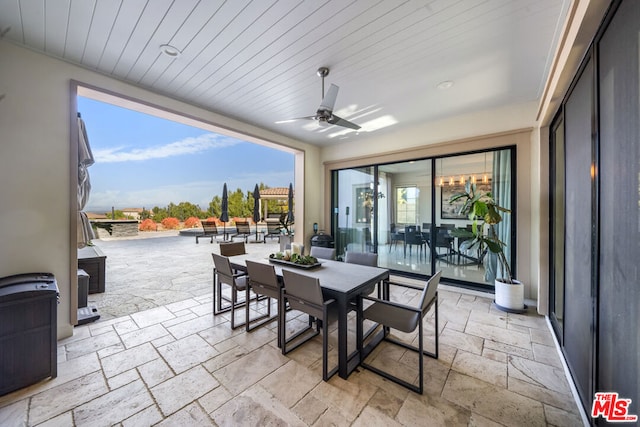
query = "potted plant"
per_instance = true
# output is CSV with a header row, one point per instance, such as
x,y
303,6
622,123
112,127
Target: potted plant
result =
x,y
483,210
285,226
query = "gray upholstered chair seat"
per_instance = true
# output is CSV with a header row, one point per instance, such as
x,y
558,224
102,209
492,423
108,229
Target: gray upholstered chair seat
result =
x,y
402,318
405,318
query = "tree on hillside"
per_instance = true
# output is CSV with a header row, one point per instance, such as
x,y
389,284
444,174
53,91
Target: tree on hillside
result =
x,y
118,214
184,210
237,205
159,214
215,207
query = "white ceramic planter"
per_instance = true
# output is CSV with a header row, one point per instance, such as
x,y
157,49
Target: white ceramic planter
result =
x,y
510,297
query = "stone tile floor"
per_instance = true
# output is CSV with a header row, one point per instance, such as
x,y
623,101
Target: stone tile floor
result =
x,y
175,364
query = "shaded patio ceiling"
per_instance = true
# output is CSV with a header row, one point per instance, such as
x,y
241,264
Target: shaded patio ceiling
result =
x,y
256,61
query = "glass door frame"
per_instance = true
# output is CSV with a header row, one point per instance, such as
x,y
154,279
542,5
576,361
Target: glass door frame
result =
x,y
433,159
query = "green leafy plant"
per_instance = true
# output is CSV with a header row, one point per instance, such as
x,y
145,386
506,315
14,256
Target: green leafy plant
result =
x,y
295,258
286,224
482,209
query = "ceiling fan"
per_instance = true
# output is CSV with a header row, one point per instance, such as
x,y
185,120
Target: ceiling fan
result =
x,y
325,111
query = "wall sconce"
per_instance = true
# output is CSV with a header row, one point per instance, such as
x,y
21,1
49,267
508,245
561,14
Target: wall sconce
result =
x,y
315,228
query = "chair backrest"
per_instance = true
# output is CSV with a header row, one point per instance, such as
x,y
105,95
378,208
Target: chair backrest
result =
x,y
223,268
429,292
263,279
324,253
243,227
209,227
232,248
303,293
362,258
273,227
412,235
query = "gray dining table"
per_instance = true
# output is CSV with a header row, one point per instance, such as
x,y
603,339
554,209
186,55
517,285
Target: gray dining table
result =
x,y
340,281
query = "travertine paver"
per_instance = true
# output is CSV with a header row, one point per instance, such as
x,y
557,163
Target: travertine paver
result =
x,y
177,364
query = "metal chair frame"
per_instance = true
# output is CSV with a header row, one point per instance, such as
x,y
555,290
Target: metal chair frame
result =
x,y
421,311
296,289
263,282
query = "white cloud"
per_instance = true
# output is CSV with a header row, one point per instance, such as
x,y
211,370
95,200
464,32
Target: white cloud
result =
x,y
185,146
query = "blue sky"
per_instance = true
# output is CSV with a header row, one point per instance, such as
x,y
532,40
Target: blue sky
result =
x,y
146,161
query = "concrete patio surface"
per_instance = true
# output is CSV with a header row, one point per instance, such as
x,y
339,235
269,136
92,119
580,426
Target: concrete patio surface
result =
x,y
158,268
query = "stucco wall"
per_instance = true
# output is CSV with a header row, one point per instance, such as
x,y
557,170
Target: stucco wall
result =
x,y
35,163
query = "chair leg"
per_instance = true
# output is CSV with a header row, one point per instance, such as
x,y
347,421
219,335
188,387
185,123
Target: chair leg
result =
x,y
420,350
252,324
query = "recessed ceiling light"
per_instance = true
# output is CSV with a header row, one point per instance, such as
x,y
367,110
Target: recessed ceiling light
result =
x,y
445,85
170,51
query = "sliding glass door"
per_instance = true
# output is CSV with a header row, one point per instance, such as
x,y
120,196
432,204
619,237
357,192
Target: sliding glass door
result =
x,y
354,207
402,211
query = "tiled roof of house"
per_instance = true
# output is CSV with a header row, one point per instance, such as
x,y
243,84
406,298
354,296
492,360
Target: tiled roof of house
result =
x,y
281,192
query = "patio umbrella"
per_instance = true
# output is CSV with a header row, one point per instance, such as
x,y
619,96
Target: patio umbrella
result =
x,y
85,159
224,215
290,203
256,208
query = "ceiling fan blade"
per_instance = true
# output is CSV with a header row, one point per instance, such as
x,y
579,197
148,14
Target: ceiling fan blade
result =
x,y
329,99
335,120
297,118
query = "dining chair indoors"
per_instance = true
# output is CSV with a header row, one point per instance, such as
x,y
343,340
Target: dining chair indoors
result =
x,y
304,294
236,281
413,237
395,236
263,282
405,318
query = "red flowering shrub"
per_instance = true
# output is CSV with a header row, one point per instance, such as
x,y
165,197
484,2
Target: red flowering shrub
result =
x,y
170,223
214,219
148,225
191,222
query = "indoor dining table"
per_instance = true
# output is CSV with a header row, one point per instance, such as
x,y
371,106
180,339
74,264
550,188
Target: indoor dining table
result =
x,y
340,281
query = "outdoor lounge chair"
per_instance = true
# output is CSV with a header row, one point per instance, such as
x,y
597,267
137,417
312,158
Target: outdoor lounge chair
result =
x,y
210,230
274,230
243,229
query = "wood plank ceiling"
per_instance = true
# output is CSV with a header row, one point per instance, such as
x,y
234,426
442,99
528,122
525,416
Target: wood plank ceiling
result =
x,y
256,61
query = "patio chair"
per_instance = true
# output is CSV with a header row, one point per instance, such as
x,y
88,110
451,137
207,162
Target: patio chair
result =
x,y
403,317
363,258
210,230
232,248
274,230
243,229
324,253
303,293
237,282
263,281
